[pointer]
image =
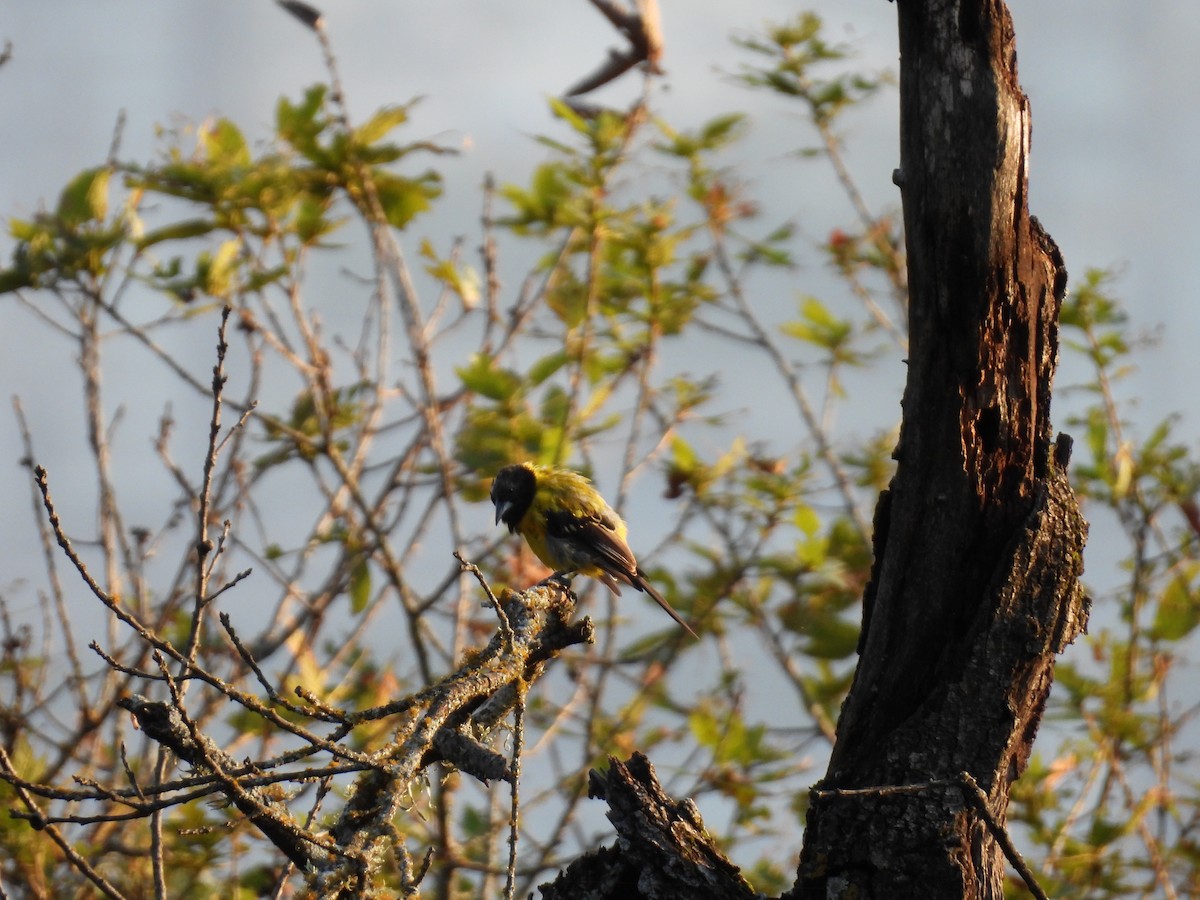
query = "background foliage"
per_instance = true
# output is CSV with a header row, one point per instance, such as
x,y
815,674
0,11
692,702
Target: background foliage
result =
x,y
376,400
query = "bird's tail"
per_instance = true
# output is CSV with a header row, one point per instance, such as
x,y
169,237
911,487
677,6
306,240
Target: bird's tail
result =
x,y
639,581
610,583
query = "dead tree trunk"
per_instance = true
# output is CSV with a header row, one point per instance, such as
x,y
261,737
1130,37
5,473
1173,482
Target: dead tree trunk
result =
x,y
978,539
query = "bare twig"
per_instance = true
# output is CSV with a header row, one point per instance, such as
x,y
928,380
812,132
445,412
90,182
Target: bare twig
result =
x,y
68,850
643,32
514,818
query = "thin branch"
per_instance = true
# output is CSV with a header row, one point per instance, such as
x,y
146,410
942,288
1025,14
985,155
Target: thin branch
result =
x,y
68,850
510,884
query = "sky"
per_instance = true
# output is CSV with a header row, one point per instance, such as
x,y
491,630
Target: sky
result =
x,y
1111,83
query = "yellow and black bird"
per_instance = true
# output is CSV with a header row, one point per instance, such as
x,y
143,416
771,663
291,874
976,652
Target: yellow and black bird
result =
x,y
570,527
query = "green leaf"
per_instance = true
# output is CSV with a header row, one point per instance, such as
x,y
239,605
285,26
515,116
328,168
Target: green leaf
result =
x,y
179,231
683,455
1178,611
404,198
85,199
360,585
545,367
829,637
721,130
224,144
300,124
14,279
541,205
567,298
215,273
712,135
818,326
24,231
1104,832
475,823
377,127
563,110
484,377
705,728
310,221
806,519
463,280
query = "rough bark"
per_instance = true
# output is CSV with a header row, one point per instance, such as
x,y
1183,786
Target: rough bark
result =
x,y
978,540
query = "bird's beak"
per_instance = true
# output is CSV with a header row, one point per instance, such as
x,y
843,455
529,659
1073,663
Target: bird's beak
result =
x,y
502,509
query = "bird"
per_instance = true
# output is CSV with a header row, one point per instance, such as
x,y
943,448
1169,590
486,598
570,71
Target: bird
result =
x,y
569,527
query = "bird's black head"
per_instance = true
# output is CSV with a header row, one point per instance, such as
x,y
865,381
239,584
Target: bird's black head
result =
x,y
512,493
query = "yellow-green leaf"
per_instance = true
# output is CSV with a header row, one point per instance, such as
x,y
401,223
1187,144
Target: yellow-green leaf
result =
x,y
85,199
377,127
360,585
484,377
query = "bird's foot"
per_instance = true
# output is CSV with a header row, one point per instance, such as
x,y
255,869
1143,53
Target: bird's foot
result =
x,y
561,579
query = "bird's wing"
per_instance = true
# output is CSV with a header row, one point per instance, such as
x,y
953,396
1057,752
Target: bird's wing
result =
x,y
595,539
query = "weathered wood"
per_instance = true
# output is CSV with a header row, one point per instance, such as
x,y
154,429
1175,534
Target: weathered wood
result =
x,y
663,850
979,540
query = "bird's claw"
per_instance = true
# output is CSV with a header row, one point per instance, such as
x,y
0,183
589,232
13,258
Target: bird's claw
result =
x,y
561,579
